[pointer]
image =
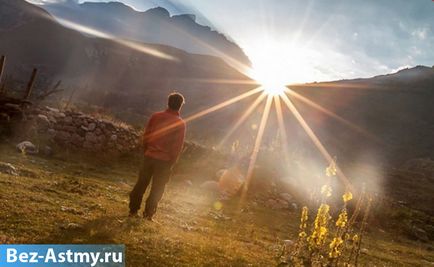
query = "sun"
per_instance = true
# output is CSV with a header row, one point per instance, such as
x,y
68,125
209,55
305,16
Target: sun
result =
x,y
276,65
269,75
272,87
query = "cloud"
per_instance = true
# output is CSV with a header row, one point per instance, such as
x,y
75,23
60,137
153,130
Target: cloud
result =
x,y
420,33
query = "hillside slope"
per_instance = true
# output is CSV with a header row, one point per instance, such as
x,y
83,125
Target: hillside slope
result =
x,y
71,201
395,109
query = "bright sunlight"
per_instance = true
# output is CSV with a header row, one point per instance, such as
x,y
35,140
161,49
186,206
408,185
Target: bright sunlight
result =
x,y
276,65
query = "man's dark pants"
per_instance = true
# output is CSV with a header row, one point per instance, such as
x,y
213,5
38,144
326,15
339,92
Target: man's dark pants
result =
x,y
159,172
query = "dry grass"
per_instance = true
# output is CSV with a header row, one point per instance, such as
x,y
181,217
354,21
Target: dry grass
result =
x,y
57,201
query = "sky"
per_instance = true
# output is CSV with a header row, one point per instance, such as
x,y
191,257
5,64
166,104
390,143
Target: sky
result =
x,y
317,40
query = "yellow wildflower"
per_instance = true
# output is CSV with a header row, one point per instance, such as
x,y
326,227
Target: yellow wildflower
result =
x,y
326,190
355,238
304,218
347,196
331,169
335,247
342,219
320,230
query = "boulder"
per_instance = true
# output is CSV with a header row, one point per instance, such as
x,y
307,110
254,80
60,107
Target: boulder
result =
x,y
98,131
27,147
69,128
43,120
91,126
50,109
62,136
51,132
68,119
76,139
91,137
8,169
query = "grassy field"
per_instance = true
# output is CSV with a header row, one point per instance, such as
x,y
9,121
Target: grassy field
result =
x,y
74,201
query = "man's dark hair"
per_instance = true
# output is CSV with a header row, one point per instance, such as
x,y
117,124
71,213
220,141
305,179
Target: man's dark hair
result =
x,y
175,101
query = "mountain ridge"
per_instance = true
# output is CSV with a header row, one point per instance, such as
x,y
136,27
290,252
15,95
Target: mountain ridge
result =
x,y
156,25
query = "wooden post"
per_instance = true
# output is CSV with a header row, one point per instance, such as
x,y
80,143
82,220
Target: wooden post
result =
x,y
2,67
3,89
30,84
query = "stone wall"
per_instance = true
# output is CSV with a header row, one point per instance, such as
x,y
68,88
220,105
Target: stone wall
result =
x,y
81,131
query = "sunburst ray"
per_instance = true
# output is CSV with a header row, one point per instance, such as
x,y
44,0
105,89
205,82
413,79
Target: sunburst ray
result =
x,y
333,115
256,147
205,112
315,140
243,117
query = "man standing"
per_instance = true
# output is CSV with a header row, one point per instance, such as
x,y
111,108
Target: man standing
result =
x,y
163,140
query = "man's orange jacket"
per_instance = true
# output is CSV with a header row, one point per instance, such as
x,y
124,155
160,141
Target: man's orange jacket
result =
x,y
164,136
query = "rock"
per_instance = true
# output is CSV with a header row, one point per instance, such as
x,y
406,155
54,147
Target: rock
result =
x,y
81,131
51,132
76,139
43,120
63,137
8,169
68,128
91,126
68,120
91,137
113,137
72,226
287,197
294,206
210,186
27,147
364,251
98,131
59,115
55,110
